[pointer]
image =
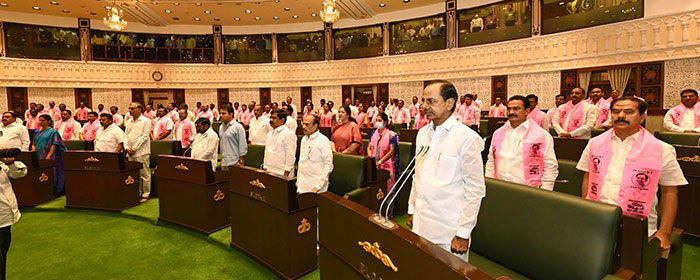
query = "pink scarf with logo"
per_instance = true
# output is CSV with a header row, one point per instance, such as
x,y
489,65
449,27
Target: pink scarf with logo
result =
x,y
420,121
576,119
534,145
401,116
603,110
90,130
467,115
327,119
206,114
360,118
383,144
536,116
68,131
32,122
414,110
162,126
497,111
147,114
81,114
186,132
640,177
678,112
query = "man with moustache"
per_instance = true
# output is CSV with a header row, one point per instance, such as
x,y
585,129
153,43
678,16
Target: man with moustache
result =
x,y
686,116
109,137
596,98
89,130
575,119
162,125
315,158
558,100
206,143
259,127
536,114
184,130
12,134
280,146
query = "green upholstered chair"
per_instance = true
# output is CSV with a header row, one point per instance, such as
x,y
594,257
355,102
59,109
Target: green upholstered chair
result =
x,y
160,147
396,127
597,131
568,171
298,151
483,128
215,126
75,144
365,143
347,176
255,156
553,132
676,138
406,151
524,232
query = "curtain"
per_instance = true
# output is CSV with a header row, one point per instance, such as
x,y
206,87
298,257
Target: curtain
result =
x,y
618,78
584,78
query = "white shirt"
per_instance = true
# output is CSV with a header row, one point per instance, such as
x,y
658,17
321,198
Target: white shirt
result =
x,y
9,213
590,116
671,173
510,158
14,136
258,129
449,182
280,151
294,111
76,130
156,126
107,140
138,136
315,163
292,124
205,146
687,124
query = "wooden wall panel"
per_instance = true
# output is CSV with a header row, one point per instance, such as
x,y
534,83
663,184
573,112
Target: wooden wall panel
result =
x,y
83,95
17,100
137,96
266,96
383,93
222,96
651,84
306,94
499,88
179,97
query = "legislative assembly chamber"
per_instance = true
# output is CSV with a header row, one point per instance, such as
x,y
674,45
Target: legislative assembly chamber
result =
x,y
350,139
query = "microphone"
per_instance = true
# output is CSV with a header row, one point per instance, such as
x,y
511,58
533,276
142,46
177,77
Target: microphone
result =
x,y
184,154
397,191
548,181
422,150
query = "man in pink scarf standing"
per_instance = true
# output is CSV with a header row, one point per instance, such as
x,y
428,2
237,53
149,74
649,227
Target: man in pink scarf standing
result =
x,y
686,116
575,119
498,110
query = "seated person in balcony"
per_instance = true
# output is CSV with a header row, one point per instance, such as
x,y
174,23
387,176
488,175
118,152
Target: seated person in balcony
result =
x,y
280,146
206,143
259,127
162,125
498,110
383,148
89,130
625,164
346,137
315,158
686,116
232,143
81,114
109,137
536,114
67,127
184,129
521,151
575,119
449,181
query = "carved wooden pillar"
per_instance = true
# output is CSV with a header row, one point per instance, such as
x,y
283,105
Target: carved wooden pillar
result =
x,y
499,88
328,36
385,39
2,40
451,25
274,47
85,45
222,95
218,45
536,17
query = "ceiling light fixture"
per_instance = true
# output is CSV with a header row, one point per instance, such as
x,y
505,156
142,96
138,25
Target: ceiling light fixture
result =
x,y
217,19
168,11
287,9
65,11
3,4
207,12
295,16
313,15
115,19
382,5
237,19
176,4
275,17
330,14
198,3
248,11
257,18
196,19
108,7
406,1
36,8
53,3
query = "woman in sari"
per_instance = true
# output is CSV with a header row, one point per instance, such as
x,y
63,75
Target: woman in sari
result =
x,y
48,145
327,116
362,117
346,137
384,148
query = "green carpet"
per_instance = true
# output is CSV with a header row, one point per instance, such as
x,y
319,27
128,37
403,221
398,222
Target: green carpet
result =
x,y
147,211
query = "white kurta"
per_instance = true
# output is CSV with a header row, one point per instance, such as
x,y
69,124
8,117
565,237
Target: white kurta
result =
x,y
258,130
687,124
107,140
9,213
76,130
280,151
315,163
590,116
205,146
14,136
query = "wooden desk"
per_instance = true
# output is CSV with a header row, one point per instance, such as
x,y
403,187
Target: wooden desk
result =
x,y
688,215
101,180
272,223
569,148
494,123
37,187
353,247
192,194
366,132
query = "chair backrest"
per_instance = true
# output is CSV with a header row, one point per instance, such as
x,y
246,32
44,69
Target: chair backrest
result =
x,y
676,138
546,235
347,175
568,171
298,151
255,156
597,131
75,144
406,151
160,147
365,143
484,128
215,126
553,131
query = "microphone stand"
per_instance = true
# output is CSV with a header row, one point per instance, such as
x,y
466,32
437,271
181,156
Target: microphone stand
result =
x,y
396,193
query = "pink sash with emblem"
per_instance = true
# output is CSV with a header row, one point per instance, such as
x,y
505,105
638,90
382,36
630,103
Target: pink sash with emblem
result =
x,y
68,131
81,114
420,121
640,177
603,110
497,111
162,126
536,116
186,132
90,130
382,143
468,115
534,145
414,110
576,119
678,112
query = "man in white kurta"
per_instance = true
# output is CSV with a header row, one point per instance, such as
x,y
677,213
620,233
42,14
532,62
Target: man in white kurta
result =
x,y
162,125
9,211
315,158
12,134
449,181
280,147
138,146
295,110
109,137
184,124
259,127
510,157
290,121
66,121
590,115
205,145
686,116
625,134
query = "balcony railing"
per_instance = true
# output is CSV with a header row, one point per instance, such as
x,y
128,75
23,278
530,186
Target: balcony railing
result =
x,y
152,54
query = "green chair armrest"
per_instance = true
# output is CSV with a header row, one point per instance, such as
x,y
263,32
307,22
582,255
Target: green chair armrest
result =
x,y
356,194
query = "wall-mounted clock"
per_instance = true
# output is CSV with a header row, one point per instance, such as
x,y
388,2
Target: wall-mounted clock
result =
x,y
157,76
